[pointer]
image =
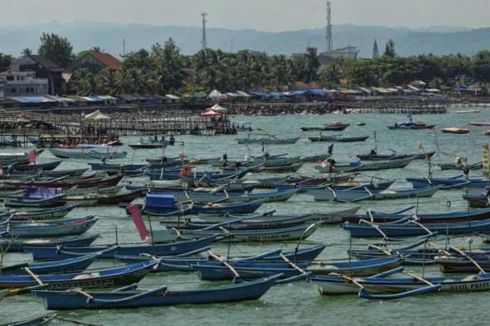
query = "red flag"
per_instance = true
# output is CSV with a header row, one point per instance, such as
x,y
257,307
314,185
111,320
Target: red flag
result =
x,y
138,221
31,156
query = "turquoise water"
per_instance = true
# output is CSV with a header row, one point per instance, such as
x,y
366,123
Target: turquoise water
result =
x,y
297,303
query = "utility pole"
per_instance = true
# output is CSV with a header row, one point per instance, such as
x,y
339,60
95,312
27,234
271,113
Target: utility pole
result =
x,y
203,38
329,39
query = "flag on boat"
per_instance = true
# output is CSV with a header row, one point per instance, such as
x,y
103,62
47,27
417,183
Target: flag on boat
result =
x,y
31,156
138,221
485,162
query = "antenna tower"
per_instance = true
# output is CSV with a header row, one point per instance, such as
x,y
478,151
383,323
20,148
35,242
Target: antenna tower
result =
x,y
329,39
203,38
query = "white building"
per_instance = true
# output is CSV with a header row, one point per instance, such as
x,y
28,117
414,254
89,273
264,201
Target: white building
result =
x,y
23,83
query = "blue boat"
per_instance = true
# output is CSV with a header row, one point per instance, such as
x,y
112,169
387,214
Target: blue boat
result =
x,y
124,298
39,214
17,245
184,264
161,204
51,201
104,277
220,196
70,265
407,229
454,182
215,271
383,287
60,228
424,218
167,249
174,173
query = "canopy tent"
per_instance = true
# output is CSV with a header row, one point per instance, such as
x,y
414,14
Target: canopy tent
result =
x,y
97,115
214,110
215,94
172,97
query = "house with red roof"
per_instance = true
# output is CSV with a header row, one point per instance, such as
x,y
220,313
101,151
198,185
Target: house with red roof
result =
x,y
96,61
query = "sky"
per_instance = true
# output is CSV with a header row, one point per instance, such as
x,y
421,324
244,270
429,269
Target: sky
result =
x,y
265,15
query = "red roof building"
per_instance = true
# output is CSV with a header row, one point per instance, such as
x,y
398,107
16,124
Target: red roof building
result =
x,y
96,61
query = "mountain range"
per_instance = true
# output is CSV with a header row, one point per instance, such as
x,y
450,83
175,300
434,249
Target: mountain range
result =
x,y
108,36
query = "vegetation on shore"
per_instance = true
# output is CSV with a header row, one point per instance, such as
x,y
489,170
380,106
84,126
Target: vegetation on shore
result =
x,y
164,69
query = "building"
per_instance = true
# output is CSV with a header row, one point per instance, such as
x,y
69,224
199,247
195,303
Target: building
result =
x,y
43,69
2,86
347,53
97,61
22,83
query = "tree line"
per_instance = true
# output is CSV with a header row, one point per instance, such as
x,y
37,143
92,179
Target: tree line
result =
x,y
164,69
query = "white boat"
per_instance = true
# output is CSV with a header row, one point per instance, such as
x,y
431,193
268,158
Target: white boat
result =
x,y
87,152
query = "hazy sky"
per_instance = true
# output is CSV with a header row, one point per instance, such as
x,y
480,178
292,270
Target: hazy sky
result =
x,y
267,15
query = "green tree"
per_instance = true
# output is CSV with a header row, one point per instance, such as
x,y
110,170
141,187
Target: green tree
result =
x,y
312,63
56,48
480,66
5,61
331,74
390,49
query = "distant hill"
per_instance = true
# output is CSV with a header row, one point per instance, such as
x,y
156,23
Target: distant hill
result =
x,y
435,39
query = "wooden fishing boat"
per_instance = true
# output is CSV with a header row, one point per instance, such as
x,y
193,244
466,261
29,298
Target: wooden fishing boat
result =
x,y
454,166
315,158
359,193
268,140
52,201
159,204
70,265
340,139
96,166
48,229
17,158
477,200
336,126
455,130
398,287
125,298
167,249
424,218
104,277
47,166
406,229
104,199
214,196
63,173
327,167
409,124
42,214
239,223
17,245
282,168
483,123
68,182
184,264
373,156
454,263
250,269
453,182
467,111
88,152
37,321
267,234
